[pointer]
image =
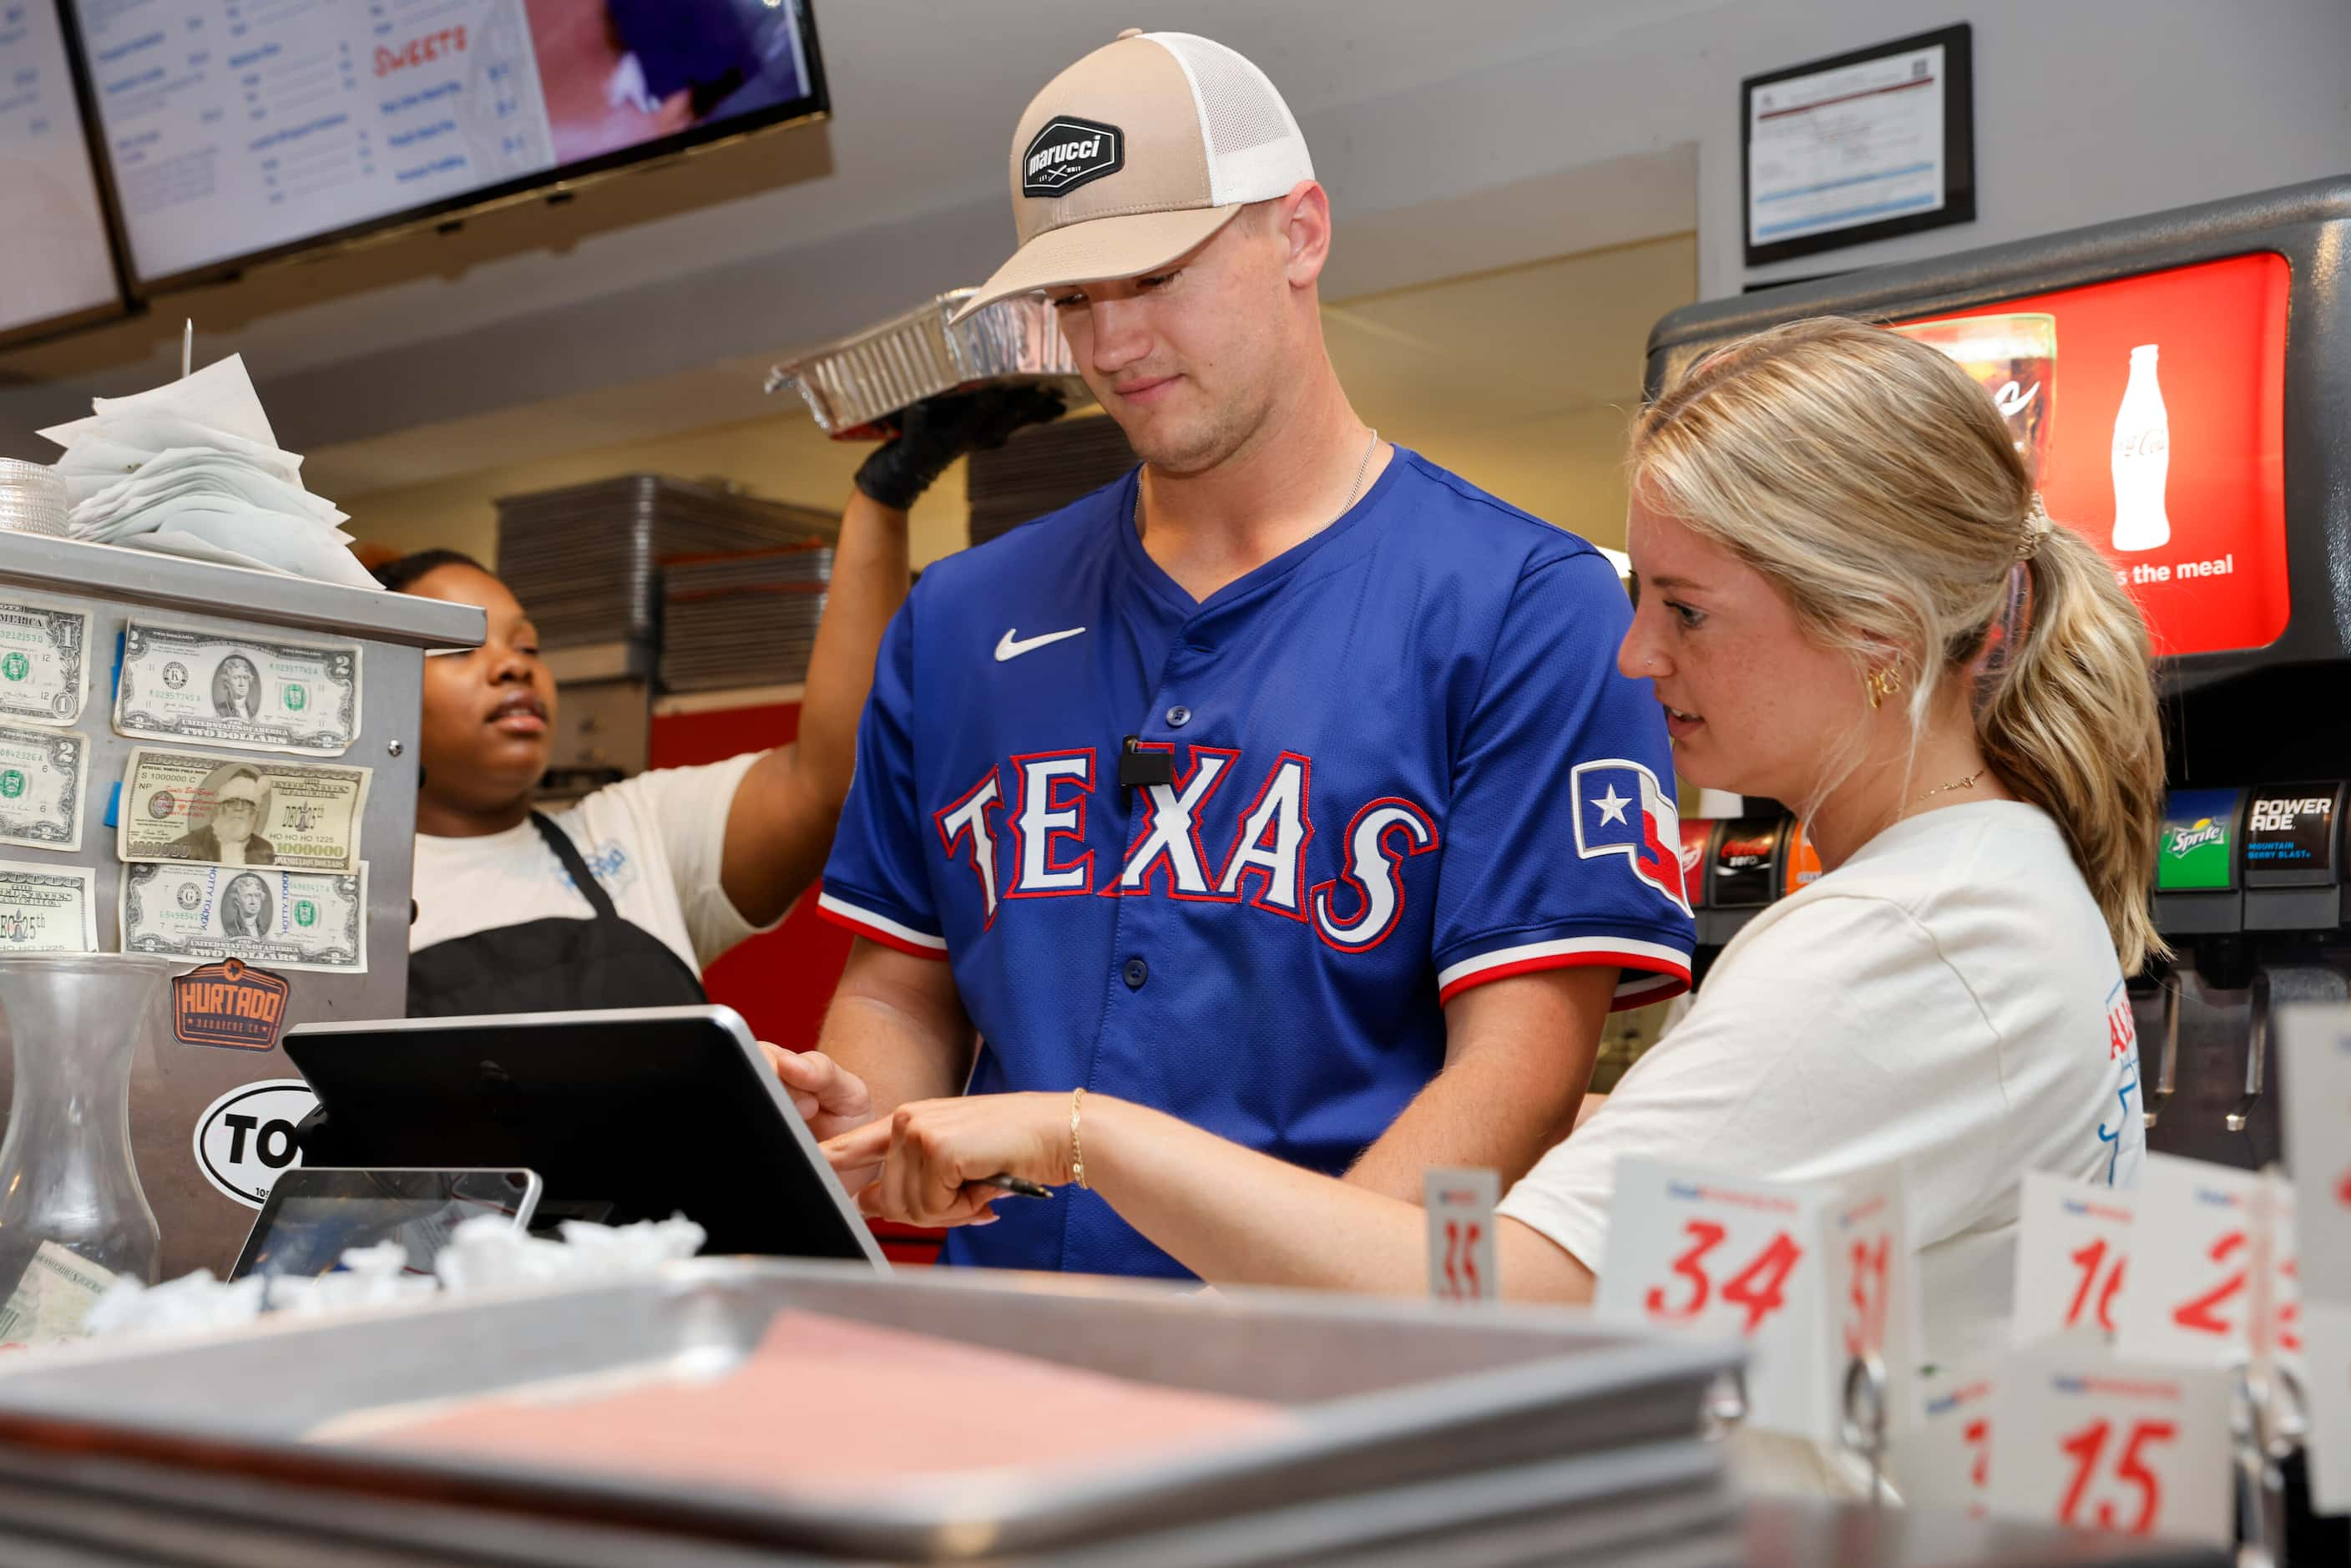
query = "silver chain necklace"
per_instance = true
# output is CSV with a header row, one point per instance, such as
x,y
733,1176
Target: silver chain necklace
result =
x,y
1354,491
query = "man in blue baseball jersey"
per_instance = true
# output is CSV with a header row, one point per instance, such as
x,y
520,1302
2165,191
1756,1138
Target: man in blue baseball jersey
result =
x,y
1288,785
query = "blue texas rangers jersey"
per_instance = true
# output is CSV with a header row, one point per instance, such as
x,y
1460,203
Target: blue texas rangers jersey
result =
x,y
1401,763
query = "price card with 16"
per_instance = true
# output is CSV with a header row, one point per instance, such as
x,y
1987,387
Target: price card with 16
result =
x,y
2072,1250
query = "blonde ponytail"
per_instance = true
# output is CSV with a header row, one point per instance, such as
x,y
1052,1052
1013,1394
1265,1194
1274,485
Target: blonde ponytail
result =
x,y
2070,722
1871,479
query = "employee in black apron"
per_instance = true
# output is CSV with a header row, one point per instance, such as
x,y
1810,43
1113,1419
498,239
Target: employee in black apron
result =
x,y
622,899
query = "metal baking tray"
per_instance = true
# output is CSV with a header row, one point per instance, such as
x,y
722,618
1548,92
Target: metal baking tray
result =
x,y
1498,1425
851,385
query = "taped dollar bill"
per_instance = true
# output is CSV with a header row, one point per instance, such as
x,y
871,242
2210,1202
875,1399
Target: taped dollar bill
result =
x,y
274,918
52,1297
185,805
44,663
254,694
47,908
41,788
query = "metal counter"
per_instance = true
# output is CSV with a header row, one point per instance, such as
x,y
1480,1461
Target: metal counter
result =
x,y
1418,1433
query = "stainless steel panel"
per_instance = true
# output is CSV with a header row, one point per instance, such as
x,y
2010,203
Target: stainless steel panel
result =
x,y
151,582
172,1085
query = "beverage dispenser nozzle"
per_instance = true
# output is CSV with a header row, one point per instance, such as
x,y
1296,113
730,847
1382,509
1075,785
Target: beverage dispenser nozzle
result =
x,y
2257,1043
2167,1064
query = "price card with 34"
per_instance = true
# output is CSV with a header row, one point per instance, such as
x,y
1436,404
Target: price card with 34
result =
x,y
1814,1276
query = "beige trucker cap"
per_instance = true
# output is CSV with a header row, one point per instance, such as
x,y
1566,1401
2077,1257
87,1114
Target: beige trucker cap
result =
x,y
1137,154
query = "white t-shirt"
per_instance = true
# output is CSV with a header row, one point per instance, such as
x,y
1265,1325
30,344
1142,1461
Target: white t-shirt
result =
x,y
1947,999
654,843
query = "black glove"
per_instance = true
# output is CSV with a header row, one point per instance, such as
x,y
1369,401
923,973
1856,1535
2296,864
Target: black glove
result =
x,y
935,432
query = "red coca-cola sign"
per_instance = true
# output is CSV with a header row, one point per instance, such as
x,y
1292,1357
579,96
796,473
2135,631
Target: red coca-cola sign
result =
x,y
2154,407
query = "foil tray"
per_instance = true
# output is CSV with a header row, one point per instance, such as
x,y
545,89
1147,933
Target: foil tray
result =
x,y
853,385
1419,1432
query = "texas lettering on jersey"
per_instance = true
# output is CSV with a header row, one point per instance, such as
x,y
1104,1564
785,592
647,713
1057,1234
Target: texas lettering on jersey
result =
x,y
1036,846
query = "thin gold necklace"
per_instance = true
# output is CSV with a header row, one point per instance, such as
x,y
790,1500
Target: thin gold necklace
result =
x,y
1966,783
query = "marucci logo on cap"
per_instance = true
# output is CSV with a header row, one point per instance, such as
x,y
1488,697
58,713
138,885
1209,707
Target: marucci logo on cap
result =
x,y
1070,152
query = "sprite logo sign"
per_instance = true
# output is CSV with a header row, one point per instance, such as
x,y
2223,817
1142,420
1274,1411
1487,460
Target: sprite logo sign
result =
x,y
2197,834
15,666
2198,852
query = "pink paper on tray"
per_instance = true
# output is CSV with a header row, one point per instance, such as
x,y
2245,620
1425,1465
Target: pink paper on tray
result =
x,y
851,1405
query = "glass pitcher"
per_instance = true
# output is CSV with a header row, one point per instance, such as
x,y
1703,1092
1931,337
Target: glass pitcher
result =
x,y
73,1217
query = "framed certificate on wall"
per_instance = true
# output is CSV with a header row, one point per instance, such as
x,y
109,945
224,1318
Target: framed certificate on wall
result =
x,y
1859,147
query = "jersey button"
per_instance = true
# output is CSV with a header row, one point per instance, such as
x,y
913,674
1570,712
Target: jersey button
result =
x,y
1136,972
1178,716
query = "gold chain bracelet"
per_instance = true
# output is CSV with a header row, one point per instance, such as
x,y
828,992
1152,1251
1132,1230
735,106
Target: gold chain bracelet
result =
x,y
1077,1149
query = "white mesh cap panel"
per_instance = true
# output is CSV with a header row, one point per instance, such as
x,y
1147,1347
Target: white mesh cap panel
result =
x,y
1255,150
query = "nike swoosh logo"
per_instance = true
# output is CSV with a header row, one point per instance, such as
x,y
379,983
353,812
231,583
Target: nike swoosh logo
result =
x,y
1012,645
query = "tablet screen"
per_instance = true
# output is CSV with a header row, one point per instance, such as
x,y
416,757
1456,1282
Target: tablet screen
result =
x,y
314,1216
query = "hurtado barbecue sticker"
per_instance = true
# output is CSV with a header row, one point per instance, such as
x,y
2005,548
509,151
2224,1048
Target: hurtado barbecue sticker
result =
x,y
230,1004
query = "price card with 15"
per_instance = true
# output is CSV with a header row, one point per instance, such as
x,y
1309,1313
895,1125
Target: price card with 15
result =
x,y
2080,1438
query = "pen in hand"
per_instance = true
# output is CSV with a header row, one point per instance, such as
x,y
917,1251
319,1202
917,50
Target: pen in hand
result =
x,y
1019,1187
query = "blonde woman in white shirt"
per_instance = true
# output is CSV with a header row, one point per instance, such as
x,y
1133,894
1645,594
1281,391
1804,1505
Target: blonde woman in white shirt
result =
x,y
1848,598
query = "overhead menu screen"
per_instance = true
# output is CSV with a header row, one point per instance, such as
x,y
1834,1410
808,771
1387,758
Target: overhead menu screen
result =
x,y
55,260
238,128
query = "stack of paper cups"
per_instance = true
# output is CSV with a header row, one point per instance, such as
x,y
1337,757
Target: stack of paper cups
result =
x,y
32,499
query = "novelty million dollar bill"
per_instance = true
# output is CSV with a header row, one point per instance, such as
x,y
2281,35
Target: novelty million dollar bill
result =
x,y
41,788
44,663
254,693
47,908
184,806
277,919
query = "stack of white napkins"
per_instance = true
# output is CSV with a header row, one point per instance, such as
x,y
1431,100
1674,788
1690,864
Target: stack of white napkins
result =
x,y
192,468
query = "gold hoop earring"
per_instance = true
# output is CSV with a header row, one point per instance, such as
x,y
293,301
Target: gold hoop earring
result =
x,y
1881,683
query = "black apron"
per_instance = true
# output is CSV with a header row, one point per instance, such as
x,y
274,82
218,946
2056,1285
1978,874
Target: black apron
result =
x,y
556,965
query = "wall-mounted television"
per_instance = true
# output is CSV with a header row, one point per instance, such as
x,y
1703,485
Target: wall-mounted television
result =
x,y
240,131
57,262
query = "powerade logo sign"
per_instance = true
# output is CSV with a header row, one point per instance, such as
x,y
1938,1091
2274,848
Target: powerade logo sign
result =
x,y
2198,849
2290,835
1070,152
